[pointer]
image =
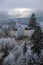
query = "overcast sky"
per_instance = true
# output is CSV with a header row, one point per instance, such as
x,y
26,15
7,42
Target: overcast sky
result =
x,y
21,4
11,5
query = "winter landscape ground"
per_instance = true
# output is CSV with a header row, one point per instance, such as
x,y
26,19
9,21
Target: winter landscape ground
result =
x,y
16,45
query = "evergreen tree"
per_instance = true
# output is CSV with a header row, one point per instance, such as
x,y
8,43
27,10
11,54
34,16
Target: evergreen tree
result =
x,y
5,51
24,52
37,40
32,22
24,48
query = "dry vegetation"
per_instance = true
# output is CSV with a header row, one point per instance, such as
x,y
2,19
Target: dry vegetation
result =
x,y
27,34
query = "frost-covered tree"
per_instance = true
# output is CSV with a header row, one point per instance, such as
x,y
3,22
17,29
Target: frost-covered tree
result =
x,y
9,60
1,32
16,56
24,59
5,51
20,32
4,54
6,29
1,58
24,48
37,40
24,52
17,25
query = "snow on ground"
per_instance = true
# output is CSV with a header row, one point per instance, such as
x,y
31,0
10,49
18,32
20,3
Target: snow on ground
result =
x,y
28,33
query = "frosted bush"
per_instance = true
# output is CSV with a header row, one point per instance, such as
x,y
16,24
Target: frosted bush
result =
x,y
5,27
16,52
15,49
11,43
9,60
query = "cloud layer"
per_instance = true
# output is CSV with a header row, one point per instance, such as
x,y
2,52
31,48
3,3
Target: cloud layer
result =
x,y
20,12
9,4
20,8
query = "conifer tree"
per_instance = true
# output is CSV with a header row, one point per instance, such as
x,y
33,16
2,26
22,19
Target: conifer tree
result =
x,y
24,48
32,22
5,51
37,40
